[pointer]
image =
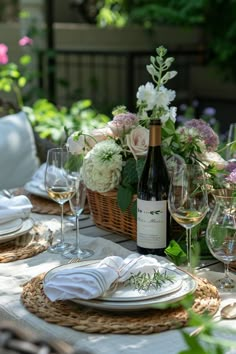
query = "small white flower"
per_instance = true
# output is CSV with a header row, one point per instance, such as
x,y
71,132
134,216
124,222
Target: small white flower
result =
x,y
147,95
164,97
170,113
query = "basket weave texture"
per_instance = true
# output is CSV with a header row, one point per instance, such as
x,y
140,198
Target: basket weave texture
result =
x,y
86,319
107,215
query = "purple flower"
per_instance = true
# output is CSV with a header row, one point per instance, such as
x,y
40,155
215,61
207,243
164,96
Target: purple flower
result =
x,y
208,135
3,54
209,111
232,177
231,166
25,41
183,107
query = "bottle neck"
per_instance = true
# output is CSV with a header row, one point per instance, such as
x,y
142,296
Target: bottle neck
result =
x,y
155,133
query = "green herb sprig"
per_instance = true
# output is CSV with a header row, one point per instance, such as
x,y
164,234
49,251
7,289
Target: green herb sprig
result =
x,y
145,281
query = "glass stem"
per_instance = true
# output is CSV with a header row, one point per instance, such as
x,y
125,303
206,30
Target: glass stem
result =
x,y
62,233
227,270
77,232
189,249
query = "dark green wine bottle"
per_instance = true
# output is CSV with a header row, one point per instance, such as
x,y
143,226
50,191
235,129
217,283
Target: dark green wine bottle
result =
x,y
153,218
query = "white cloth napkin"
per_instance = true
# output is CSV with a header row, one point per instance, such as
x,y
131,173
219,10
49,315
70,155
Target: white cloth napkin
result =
x,y
37,180
13,208
92,281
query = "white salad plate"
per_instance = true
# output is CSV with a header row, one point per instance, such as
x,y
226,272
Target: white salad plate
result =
x,y
126,298
10,226
25,227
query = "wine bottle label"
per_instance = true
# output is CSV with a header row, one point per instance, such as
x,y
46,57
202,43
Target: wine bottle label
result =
x,y
151,223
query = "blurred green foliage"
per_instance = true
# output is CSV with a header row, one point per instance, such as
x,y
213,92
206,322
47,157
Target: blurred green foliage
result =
x,y
217,18
56,123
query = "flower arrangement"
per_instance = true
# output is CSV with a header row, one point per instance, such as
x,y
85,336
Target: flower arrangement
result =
x,y
115,154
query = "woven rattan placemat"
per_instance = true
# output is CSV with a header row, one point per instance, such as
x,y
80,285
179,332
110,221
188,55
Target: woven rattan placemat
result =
x,y
25,246
43,205
80,318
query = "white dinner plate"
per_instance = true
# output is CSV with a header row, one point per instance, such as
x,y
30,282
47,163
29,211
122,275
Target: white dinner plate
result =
x,y
127,300
10,226
26,226
39,191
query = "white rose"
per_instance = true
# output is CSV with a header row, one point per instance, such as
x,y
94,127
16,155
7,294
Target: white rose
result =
x,y
215,159
138,141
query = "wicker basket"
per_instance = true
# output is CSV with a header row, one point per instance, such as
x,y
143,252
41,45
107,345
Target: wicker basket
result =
x,y
107,215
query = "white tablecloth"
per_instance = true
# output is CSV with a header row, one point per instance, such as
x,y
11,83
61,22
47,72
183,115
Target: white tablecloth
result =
x,y
14,274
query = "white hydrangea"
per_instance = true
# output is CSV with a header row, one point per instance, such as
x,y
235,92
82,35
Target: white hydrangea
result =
x,y
102,166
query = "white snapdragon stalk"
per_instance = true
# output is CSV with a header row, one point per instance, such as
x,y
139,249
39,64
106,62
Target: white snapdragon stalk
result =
x,y
153,101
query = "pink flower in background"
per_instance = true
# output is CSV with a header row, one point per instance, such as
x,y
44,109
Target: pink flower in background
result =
x,y
3,54
25,41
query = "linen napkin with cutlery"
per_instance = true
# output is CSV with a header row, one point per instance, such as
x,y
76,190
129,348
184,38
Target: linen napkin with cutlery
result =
x,y
14,208
94,280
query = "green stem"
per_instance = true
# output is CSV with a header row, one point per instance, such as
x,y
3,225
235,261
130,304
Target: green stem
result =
x,y
18,96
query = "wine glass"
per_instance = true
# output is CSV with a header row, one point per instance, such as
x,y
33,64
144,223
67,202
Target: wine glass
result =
x,y
188,201
231,141
59,186
221,234
77,203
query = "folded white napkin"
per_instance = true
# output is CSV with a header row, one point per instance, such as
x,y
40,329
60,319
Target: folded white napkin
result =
x,y
13,208
37,179
92,281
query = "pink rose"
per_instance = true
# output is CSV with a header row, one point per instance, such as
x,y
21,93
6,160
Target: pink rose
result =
x,y
99,134
122,123
25,41
137,141
3,54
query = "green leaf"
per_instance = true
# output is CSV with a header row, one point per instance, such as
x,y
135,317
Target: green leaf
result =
x,y
175,253
140,165
25,59
129,175
22,81
124,197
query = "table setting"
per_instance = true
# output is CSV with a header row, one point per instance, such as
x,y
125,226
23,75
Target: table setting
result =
x,y
84,281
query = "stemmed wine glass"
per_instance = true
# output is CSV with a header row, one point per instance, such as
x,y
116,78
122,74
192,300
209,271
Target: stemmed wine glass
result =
x,y
59,186
77,203
188,201
221,234
231,142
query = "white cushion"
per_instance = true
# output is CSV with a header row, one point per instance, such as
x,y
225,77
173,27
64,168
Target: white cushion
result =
x,y
18,152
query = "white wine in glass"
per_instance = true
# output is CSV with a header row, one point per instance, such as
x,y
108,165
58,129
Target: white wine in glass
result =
x,y
77,203
59,186
188,201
